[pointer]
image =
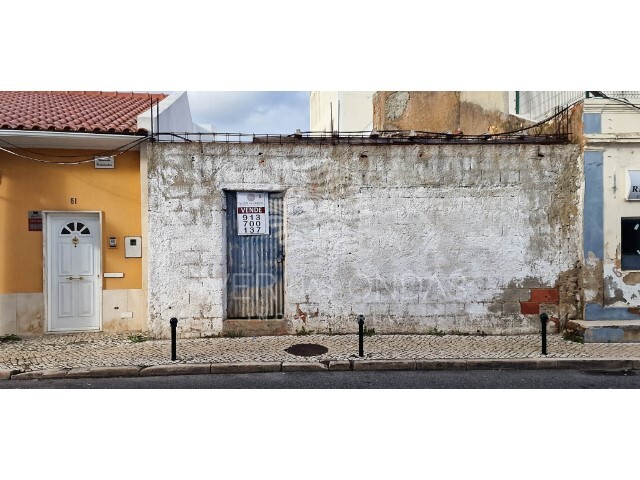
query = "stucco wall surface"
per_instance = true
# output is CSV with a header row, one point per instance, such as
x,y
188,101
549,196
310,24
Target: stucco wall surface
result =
x,y
26,185
613,140
474,113
351,111
415,238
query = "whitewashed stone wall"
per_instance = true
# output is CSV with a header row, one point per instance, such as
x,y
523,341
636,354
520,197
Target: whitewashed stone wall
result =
x,y
415,238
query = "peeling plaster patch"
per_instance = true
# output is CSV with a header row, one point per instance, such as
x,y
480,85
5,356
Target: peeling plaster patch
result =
x,y
531,295
592,261
618,260
30,313
530,282
632,279
592,280
612,293
396,105
301,314
569,290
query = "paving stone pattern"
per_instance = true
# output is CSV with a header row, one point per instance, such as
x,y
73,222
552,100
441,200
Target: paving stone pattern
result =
x,y
107,349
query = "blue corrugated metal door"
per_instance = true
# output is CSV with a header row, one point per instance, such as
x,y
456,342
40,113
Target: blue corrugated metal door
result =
x,y
255,265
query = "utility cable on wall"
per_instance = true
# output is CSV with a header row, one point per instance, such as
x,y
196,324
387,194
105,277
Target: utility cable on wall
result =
x,y
619,100
113,152
104,153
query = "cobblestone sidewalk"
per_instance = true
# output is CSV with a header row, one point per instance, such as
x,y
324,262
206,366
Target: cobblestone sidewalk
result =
x,y
116,350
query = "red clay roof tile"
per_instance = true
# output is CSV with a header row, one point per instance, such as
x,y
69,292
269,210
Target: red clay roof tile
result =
x,y
98,112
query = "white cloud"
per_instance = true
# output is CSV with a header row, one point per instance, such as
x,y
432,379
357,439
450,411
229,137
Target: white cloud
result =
x,y
251,112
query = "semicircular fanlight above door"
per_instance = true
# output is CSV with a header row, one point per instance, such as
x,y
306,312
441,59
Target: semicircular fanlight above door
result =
x,y
78,228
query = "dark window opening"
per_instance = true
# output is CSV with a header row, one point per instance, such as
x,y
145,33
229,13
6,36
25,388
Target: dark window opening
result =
x,y
630,243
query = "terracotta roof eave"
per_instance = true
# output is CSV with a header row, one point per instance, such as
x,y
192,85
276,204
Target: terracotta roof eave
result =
x,y
97,112
66,130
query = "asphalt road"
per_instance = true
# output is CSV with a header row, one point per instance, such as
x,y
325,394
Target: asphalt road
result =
x,y
476,379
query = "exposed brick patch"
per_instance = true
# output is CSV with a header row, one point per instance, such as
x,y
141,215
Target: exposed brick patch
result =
x,y
538,297
545,295
529,308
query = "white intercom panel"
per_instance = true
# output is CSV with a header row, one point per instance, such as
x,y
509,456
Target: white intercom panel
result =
x,y
133,247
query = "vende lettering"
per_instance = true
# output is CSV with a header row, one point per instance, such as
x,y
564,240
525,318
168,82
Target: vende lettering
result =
x,y
251,210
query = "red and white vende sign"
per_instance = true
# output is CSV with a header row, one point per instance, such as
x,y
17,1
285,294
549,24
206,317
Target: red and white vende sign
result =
x,y
253,213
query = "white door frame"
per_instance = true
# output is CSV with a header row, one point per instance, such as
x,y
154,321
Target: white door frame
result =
x,y
46,215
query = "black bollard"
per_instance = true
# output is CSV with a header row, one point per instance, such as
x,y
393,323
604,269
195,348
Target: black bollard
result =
x,y
361,335
174,324
543,320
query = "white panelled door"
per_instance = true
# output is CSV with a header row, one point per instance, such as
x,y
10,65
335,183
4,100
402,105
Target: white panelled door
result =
x,y
73,271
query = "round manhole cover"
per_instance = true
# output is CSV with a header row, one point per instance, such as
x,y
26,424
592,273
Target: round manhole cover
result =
x,y
306,349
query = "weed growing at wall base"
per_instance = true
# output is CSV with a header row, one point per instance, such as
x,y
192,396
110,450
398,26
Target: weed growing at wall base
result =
x,y
573,336
435,331
232,334
10,338
303,331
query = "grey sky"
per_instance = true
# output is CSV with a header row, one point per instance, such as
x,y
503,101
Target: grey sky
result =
x,y
251,112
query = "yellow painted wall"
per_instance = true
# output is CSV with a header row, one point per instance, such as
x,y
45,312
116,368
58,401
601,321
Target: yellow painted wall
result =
x,y
27,185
